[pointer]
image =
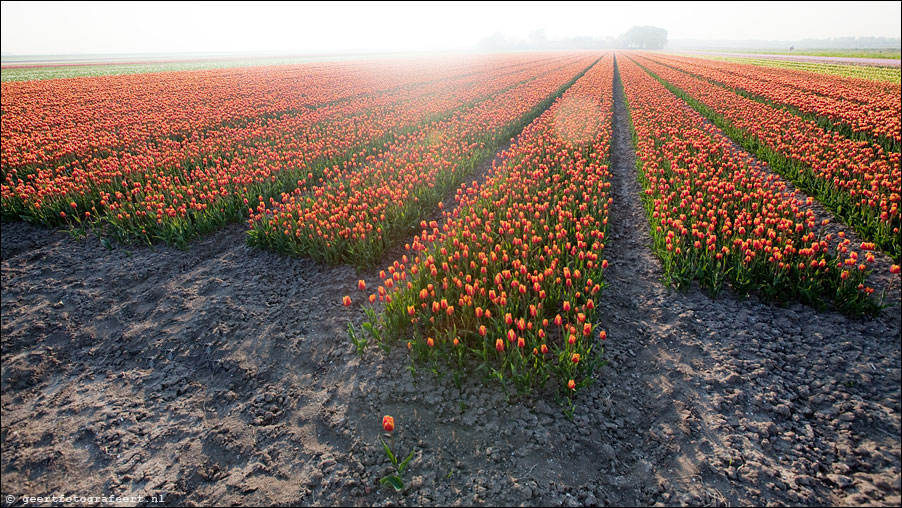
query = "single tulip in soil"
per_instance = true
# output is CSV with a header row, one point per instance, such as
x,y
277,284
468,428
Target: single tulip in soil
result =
x,y
394,480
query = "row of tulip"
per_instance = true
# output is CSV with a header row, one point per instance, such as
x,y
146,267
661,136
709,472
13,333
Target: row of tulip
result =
x,y
173,192
852,109
858,181
52,122
879,75
507,286
864,91
718,216
357,214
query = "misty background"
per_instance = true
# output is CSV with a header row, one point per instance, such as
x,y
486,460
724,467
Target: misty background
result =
x,y
650,37
320,28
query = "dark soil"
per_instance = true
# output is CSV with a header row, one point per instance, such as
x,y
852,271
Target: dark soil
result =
x,y
224,375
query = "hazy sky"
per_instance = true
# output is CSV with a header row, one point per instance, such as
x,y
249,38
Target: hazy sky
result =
x,y
139,27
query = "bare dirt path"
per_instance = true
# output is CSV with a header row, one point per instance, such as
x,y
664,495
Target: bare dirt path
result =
x,y
745,403
224,374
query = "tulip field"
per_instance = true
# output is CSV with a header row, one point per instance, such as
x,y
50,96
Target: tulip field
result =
x,y
185,153
865,110
510,280
863,72
353,216
719,217
858,179
340,162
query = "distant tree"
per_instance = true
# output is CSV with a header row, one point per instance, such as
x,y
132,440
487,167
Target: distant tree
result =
x,y
538,38
494,42
645,37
